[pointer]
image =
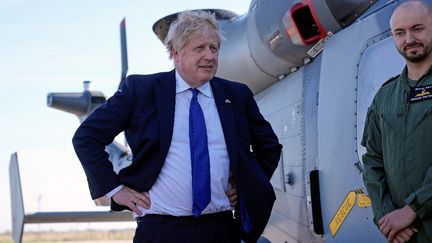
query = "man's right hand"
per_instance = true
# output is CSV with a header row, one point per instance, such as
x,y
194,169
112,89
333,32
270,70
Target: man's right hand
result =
x,y
132,199
405,235
396,221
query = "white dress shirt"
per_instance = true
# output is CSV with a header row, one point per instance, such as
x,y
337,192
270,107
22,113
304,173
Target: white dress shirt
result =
x,y
171,194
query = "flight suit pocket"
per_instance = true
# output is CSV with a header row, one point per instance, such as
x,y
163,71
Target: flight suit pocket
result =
x,y
424,118
420,136
389,123
389,131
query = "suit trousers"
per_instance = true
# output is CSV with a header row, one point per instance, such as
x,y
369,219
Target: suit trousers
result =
x,y
207,228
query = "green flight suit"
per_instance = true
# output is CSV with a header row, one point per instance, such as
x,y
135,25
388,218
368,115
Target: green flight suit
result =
x,y
398,158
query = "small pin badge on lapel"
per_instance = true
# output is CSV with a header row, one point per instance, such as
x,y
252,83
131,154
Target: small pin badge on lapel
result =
x,y
228,101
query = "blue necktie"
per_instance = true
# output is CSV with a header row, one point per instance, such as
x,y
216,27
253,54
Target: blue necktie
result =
x,y
199,156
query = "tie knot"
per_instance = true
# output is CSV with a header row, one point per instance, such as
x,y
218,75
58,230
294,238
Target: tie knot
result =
x,y
195,92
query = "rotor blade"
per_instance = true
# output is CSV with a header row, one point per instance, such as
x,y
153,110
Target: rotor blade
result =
x,y
124,58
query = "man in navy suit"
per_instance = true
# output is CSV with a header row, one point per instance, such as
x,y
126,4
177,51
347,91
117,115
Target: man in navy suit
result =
x,y
153,110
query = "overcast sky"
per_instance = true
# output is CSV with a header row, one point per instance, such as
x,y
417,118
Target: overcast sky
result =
x,y
53,46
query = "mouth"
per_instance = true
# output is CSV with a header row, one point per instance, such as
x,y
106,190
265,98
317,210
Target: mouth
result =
x,y
412,46
207,67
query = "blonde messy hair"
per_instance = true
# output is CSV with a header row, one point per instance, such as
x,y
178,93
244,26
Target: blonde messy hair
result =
x,y
186,23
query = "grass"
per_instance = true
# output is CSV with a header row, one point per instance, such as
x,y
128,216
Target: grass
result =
x,y
58,236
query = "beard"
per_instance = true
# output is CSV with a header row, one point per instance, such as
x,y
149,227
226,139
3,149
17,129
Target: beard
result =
x,y
419,56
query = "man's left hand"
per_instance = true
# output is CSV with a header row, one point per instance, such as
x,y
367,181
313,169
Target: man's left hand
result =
x,y
391,223
404,235
232,195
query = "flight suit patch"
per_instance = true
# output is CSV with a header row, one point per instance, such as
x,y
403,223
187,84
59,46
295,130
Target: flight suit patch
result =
x,y
420,93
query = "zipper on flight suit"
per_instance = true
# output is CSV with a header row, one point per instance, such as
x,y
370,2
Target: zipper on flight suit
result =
x,y
404,140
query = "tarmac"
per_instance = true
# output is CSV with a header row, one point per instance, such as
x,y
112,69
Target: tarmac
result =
x,y
99,241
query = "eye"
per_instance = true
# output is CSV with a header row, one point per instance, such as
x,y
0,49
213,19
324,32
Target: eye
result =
x,y
418,28
214,48
399,33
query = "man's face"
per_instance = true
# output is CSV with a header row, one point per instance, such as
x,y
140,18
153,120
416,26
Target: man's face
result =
x,y
411,27
198,60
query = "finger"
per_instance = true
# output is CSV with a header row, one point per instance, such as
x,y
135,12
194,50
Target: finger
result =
x,y
148,200
391,235
381,221
383,226
134,199
142,203
404,235
409,232
385,230
144,198
231,192
133,206
400,237
233,201
232,196
396,241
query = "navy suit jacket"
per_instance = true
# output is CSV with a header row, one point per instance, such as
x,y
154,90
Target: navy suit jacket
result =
x,y
144,109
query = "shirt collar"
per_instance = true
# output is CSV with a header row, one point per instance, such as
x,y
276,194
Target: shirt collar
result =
x,y
182,86
404,74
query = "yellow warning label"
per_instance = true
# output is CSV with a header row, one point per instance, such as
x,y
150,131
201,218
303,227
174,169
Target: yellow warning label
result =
x,y
363,201
342,213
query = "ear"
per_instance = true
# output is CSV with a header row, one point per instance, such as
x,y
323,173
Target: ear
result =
x,y
175,54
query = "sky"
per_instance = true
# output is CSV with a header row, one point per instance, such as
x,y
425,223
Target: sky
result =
x,y
53,46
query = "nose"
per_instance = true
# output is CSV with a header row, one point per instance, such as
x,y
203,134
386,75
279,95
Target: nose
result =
x,y
210,54
410,37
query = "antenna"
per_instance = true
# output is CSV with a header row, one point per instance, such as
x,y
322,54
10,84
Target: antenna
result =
x,y
123,45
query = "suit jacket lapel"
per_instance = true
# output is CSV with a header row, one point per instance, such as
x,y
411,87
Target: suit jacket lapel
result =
x,y
165,95
226,115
